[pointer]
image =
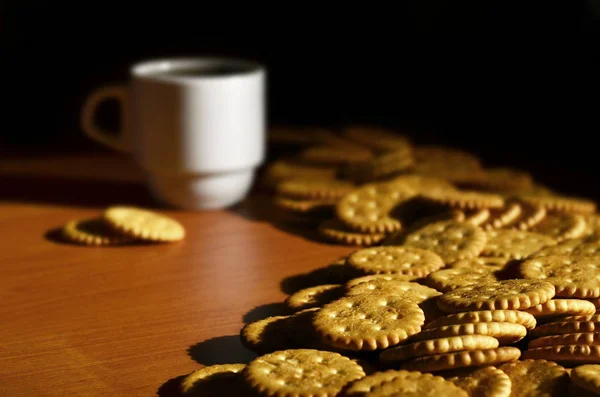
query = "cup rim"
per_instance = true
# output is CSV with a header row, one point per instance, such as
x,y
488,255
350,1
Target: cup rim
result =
x,y
148,69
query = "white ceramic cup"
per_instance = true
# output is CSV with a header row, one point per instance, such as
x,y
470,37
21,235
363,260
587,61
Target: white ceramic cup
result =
x,y
195,126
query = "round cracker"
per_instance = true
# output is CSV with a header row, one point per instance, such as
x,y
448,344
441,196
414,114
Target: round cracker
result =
x,y
578,338
565,327
465,200
562,307
395,259
334,230
93,232
438,346
143,224
367,209
448,279
561,204
587,377
451,240
413,291
362,387
514,244
417,384
568,354
465,359
561,226
373,277
222,380
506,333
301,372
537,378
573,277
486,316
314,296
483,262
389,321
508,294
314,188
266,335
484,382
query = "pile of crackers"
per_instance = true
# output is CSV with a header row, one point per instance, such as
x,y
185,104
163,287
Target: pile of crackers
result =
x,y
491,291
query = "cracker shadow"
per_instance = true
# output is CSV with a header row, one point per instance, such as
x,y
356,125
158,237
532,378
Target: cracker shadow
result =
x,y
220,350
264,311
171,388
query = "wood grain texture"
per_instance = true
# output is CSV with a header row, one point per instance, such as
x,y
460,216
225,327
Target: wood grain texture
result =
x,y
125,321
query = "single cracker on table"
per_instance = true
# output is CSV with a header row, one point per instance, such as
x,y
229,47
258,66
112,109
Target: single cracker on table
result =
x,y
451,240
566,354
486,316
395,259
334,230
561,226
464,199
93,232
314,296
314,188
562,307
514,244
508,294
537,378
565,327
143,225
416,292
416,384
448,279
585,338
484,382
367,209
368,322
266,335
465,359
587,377
506,333
301,372
222,380
438,346
572,276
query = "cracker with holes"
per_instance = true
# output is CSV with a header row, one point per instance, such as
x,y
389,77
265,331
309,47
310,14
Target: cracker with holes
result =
x,y
367,209
301,372
395,260
374,277
368,322
406,289
508,294
464,359
451,240
537,378
221,380
314,296
514,244
437,346
448,279
413,383
572,276
484,382
506,333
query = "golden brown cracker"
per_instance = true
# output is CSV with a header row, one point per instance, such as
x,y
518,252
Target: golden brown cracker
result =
x,y
486,316
314,296
506,333
395,260
143,224
514,244
537,378
93,232
465,359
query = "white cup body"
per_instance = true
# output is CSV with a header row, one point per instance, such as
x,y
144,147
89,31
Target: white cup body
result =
x,y
198,137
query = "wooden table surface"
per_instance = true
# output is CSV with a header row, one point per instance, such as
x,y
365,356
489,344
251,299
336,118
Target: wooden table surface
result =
x,y
126,321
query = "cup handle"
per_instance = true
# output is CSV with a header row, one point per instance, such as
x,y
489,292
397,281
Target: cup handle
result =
x,y
88,113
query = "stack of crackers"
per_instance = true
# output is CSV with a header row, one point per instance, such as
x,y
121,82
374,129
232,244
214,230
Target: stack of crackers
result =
x,y
121,225
481,283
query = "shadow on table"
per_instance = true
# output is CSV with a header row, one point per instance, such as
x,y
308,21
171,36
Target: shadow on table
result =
x,y
259,207
74,192
171,388
264,311
220,350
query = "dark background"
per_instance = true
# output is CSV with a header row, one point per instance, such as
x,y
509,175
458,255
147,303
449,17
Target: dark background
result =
x,y
515,83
